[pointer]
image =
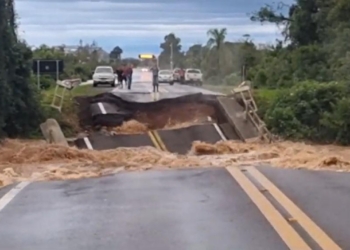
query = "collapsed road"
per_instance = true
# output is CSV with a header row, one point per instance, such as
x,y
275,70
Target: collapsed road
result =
x,y
210,117
247,207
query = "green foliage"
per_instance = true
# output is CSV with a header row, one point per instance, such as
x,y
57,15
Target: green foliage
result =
x,y
338,121
306,111
295,83
318,52
264,98
46,81
171,47
78,65
20,103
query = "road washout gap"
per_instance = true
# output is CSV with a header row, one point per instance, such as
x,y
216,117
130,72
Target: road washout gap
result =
x,y
123,115
36,161
166,117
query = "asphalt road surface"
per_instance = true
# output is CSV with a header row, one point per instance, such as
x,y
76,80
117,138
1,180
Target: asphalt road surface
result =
x,y
250,208
180,209
142,83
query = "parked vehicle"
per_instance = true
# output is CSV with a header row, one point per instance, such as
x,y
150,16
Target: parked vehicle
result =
x,y
104,75
166,76
194,76
179,75
176,74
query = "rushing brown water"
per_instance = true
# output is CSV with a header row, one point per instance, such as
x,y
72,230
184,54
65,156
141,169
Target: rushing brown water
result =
x,y
36,160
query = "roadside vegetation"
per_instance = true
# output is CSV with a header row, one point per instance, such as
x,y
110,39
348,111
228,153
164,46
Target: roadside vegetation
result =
x,y
301,83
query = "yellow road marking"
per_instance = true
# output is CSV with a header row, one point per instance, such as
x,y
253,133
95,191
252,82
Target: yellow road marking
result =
x,y
160,141
291,238
153,139
319,236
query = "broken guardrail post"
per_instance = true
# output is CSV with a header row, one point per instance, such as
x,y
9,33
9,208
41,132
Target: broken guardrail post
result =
x,y
60,90
52,132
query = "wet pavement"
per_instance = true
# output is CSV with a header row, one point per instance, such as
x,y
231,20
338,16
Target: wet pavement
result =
x,y
171,209
142,84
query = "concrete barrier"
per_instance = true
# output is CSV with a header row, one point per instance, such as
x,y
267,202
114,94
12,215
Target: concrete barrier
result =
x,y
52,132
236,117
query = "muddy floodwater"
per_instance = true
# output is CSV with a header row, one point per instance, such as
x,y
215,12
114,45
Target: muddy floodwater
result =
x,y
36,160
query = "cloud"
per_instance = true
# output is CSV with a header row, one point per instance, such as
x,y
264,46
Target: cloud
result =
x,y
113,23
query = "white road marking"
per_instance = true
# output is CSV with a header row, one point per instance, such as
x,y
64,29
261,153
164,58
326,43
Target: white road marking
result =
x,y
102,108
223,137
10,195
88,143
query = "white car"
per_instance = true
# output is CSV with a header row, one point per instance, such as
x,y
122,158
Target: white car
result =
x,y
166,76
194,76
104,75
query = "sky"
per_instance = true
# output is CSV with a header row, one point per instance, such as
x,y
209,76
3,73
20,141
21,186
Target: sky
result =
x,y
137,26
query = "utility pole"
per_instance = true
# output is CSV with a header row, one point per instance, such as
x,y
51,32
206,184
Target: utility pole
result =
x,y
171,57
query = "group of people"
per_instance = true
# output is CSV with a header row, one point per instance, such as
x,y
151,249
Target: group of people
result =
x,y
124,74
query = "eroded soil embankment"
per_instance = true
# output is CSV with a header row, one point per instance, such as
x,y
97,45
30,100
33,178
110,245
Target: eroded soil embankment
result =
x,y
167,113
26,160
167,117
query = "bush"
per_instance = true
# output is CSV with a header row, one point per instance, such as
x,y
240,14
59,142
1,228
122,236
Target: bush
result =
x,y
232,80
338,121
311,110
46,81
264,99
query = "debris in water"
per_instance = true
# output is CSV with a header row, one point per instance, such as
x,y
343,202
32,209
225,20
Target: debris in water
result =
x,y
172,116
36,160
130,127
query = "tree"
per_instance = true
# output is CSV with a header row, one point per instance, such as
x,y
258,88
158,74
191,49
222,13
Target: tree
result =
x,y
216,41
194,56
171,46
116,54
21,112
78,64
216,38
300,25
4,87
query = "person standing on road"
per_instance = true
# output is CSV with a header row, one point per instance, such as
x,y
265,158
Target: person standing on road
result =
x,y
119,73
155,72
128,75
125,74
182,75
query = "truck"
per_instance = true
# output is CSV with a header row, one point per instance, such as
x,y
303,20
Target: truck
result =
x,y
193,76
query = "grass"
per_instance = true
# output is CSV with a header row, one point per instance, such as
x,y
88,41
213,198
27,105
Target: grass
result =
x,y
67,119
85,90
